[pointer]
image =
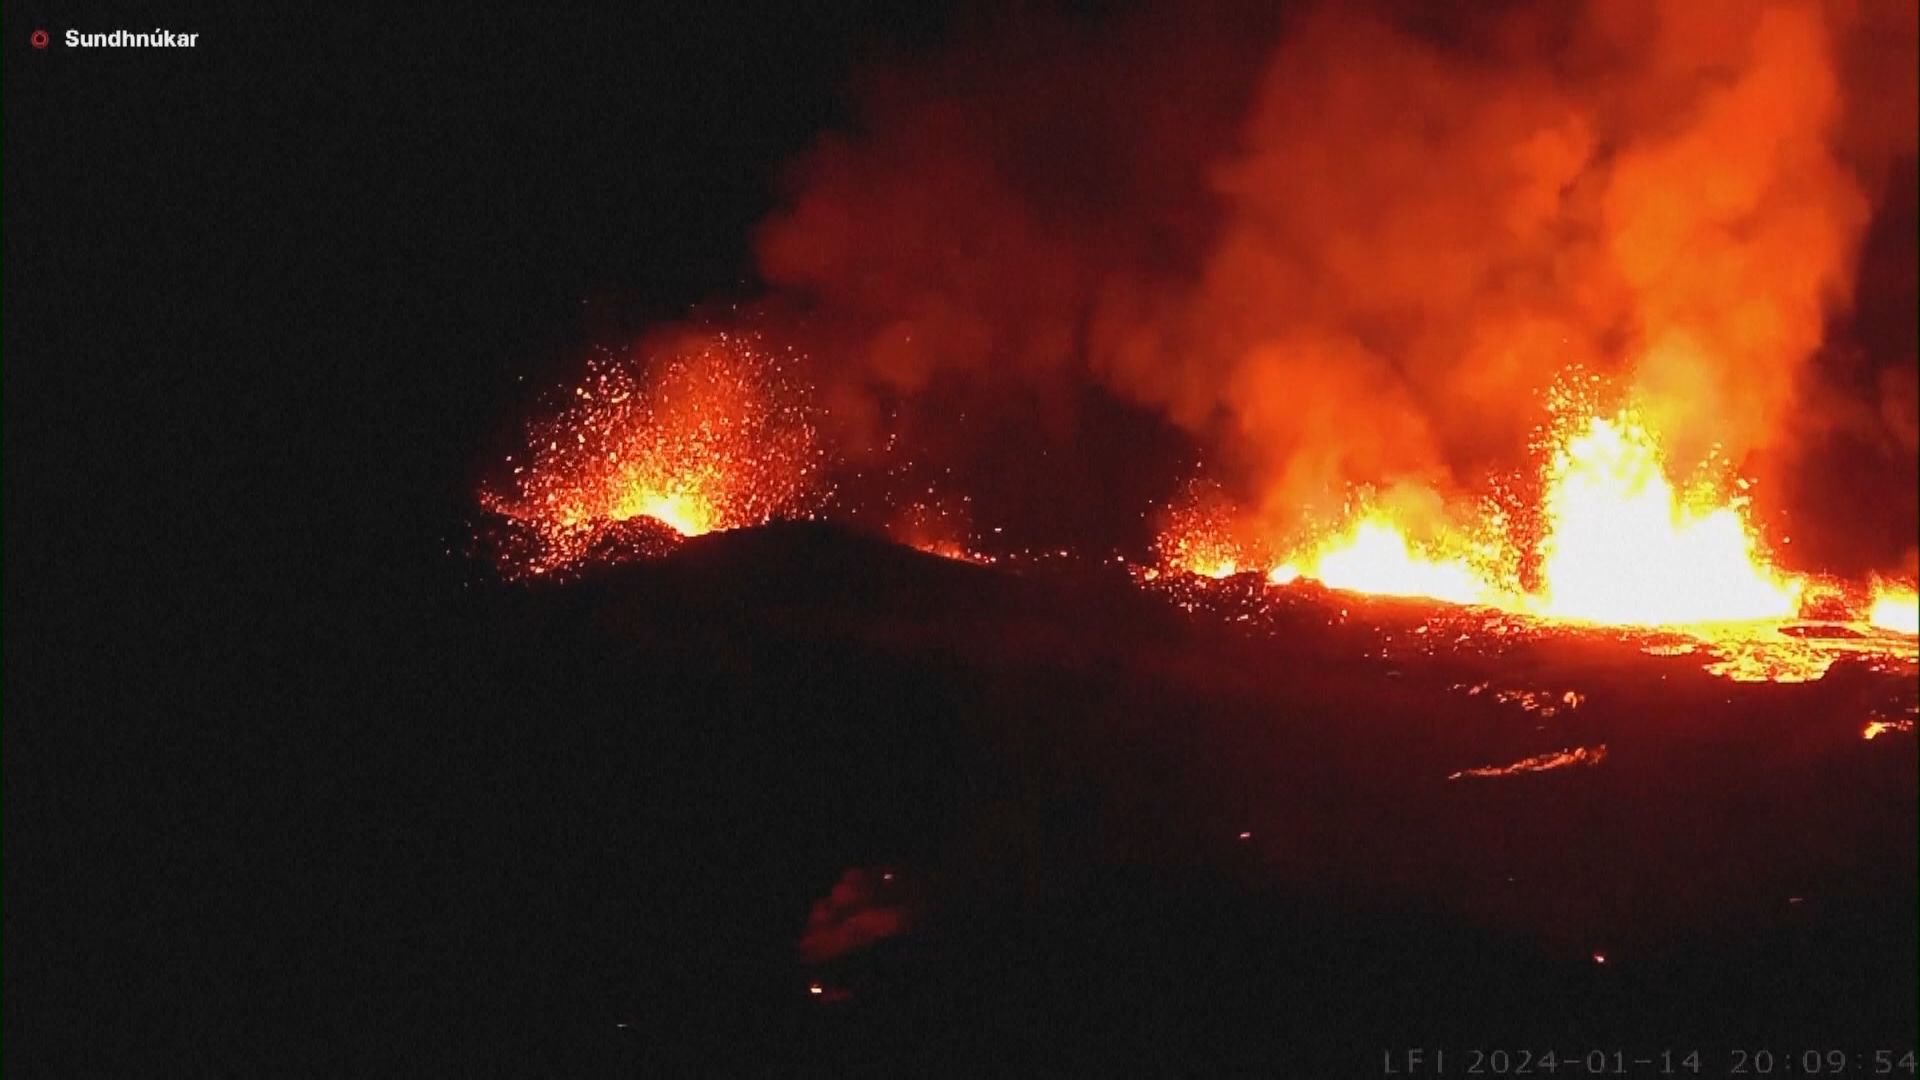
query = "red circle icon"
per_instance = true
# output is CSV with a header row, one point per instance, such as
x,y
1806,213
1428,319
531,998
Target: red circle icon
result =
x,y
40,39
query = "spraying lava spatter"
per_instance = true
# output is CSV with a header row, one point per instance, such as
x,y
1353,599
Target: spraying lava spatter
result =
x,y
704,436
1198,536
1622,546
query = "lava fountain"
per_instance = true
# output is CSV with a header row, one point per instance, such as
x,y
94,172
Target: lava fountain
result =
x,y
1617,542
705,436
1622,546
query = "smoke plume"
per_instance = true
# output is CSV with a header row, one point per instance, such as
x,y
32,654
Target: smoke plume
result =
x,y
1352,244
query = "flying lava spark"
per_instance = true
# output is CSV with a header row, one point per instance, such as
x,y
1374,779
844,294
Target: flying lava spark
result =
x,y
1197,536
703,436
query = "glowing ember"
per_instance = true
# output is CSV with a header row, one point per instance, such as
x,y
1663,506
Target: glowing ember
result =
x,y
951,549
706,437
1895,608
1623,547
936,529
1197,537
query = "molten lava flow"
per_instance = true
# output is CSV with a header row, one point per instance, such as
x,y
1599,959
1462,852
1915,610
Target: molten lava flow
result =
x,y
1623,547
1895,608
706,437
1577,755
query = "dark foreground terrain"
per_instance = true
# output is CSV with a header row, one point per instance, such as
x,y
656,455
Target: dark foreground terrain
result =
x,y
796,799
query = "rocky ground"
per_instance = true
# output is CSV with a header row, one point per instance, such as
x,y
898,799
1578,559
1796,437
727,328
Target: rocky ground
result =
x,y
800,792
794,798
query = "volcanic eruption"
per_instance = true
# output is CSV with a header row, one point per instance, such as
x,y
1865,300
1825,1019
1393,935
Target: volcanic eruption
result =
x,y
1511,319
702,433
1460,397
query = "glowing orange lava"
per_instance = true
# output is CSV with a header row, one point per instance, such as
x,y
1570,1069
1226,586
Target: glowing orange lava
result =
x,y
1560,759
704,437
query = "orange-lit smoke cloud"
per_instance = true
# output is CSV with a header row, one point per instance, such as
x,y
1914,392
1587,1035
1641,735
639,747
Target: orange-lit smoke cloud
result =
x,y
1338,247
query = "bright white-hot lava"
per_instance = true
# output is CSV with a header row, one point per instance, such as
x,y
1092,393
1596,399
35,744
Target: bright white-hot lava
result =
x,y
1622,546
1895,608
1375,556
